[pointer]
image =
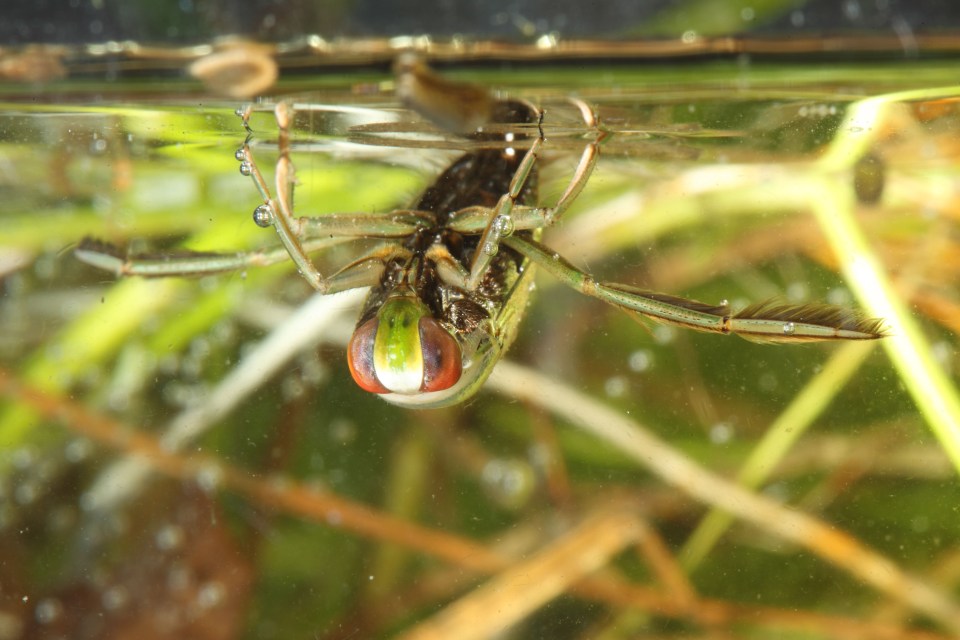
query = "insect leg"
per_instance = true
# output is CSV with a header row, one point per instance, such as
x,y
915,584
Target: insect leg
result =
x,y
499,223
183,263
278,212
396,224
581,175
473,219
772,322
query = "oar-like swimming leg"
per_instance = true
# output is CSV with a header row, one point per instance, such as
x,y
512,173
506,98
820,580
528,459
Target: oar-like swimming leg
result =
x,y
770,321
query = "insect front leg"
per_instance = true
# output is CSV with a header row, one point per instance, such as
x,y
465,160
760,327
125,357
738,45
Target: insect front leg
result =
x,y
581,175
499,222
278,212
295,233
772,322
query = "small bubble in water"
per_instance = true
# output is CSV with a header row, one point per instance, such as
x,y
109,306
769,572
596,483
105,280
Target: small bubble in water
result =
x,y
510,481
292,388
178,578
26,493
797,291
944,353
789,328
240,154
169,537
209,477
640,360
210,595
721,433
342,431
490,248
114,598
615,387
768,382
47,610
663,334
23,458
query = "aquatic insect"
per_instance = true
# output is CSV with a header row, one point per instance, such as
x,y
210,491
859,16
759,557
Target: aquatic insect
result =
x,y
450,283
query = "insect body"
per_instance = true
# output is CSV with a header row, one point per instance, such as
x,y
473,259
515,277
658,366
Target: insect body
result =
x,y
450,282
425,336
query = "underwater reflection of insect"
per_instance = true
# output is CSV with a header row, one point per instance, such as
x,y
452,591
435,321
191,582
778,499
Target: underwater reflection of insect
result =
x,y
451,280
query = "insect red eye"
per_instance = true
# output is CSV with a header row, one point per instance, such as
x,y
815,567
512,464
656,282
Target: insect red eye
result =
x,y
360,357
442,364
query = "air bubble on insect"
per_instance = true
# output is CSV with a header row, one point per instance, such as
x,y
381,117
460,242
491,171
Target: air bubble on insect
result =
x,y
246,168
47,610
263,215
640,360
789,328
504,225
490,248
240,154
240,112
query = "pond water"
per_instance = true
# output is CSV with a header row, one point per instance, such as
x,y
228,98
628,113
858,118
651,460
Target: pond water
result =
x,y
144,460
